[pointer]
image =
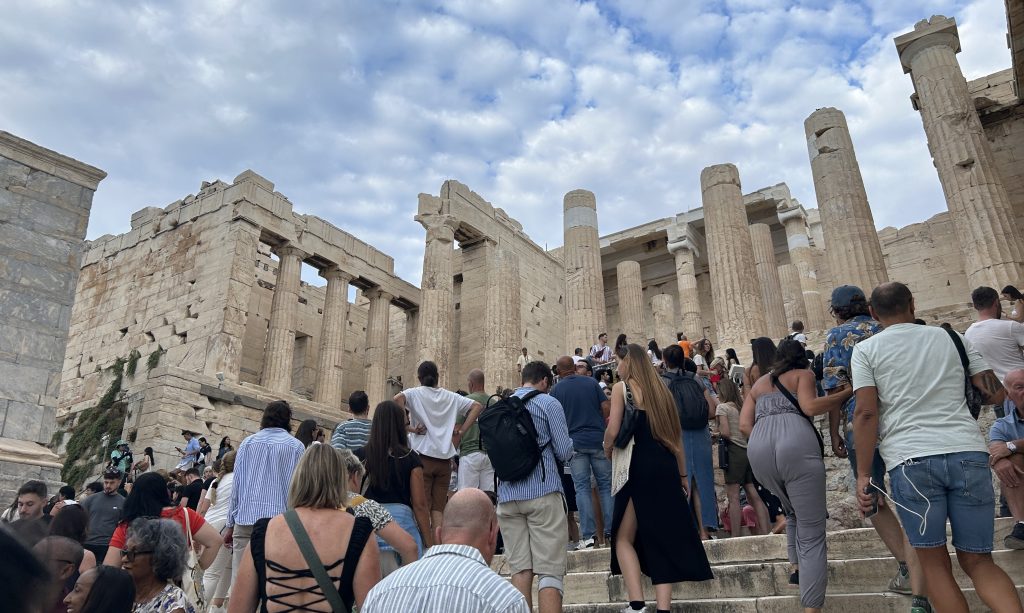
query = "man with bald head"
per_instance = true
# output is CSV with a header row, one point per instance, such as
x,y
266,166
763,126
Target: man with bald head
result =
x,y
62,557
453,576
586,408
475,468
1006,454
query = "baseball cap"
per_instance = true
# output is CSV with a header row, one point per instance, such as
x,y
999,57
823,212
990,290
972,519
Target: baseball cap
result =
x,y
845,295
111,472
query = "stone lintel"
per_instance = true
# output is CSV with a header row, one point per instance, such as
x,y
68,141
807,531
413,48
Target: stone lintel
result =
x,y
47,160
937,30
27,452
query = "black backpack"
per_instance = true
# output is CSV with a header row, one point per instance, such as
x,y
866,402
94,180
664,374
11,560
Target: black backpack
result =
x,y
688,393
509,437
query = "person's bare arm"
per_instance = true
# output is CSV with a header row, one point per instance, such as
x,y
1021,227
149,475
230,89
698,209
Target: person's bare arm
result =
x,y
606,407
210,539
811,404
367,571
88,561
400,399
401,541
460,431
112,557
747,413
992,390
420,507
712,404
723,427
618,407
865,436
204,504
244,591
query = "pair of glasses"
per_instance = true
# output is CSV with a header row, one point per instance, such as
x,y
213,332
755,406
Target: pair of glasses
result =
x,y
129,554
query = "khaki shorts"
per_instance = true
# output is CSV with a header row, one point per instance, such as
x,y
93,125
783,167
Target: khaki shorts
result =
x,y
535,533
437,477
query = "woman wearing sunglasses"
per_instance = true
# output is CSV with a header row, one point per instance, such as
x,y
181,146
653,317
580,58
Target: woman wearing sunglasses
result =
x,y
154,556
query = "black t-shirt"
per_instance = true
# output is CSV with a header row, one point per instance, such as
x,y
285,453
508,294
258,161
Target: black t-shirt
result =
x,y
208,483
193,491
398,490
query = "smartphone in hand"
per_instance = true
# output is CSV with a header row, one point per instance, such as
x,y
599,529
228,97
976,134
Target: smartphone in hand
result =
x,y
874,502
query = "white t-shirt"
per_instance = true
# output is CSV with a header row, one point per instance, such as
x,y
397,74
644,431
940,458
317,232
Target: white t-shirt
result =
x,y
217,514
999,341
523,360
436,408
698,359
800,337
921,406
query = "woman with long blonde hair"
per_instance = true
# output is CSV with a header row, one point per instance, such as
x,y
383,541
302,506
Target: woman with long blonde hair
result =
x,y
652,530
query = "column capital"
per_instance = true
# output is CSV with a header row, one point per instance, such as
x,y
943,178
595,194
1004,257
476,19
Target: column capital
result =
x,y
439,227
334,273
683,243
938,30
794,213
377,293
288,249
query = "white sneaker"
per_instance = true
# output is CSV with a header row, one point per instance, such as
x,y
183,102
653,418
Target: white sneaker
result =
x,y
585,544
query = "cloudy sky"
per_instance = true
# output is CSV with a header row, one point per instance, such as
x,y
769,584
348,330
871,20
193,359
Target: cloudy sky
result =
x,y
354,107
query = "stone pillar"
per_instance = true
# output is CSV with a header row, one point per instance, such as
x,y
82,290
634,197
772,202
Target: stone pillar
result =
x,y
332,337
584,282
685,253
792,293
224,351
663,307
768,279
739,308
375,357
800,255
437,289
989,237
412,325
854,253
503,332
631,302
277,359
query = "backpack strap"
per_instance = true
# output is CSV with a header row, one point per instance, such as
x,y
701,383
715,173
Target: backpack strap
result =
x,y
313,561
543,469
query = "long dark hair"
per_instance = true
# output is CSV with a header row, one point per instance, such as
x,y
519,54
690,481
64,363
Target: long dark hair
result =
x,y
652,346
790,356
148,452
113,591
72,522
1012,292
620,346
764,351
147,498
427,374
388,439
306,431
228,441
731,357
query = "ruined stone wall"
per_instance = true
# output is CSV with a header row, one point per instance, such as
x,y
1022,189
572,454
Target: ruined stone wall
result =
x,y
926,256
1003,120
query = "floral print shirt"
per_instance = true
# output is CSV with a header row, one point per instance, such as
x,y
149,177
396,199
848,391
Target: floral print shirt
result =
x,y
171,598
839,350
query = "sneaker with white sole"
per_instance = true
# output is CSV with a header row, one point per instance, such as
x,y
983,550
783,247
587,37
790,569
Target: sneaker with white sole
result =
x,y
900,583
1015,539
585,544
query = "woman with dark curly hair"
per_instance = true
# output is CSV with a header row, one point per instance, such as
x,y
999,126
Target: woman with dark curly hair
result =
x,y
154,556
103,589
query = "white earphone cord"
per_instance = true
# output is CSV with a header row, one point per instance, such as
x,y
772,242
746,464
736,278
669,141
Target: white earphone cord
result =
x,y
924,518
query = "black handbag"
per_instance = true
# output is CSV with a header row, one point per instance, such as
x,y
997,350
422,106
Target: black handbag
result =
x,y
629,417
723,454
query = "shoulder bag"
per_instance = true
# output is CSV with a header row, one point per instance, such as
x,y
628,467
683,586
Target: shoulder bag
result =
x,y
785,392
628,426
975,399
192,580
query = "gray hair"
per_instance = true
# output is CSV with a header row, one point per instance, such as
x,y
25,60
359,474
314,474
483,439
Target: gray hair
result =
x,y
167,540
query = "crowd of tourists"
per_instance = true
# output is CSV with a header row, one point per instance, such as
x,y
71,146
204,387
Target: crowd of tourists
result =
x,y
404,510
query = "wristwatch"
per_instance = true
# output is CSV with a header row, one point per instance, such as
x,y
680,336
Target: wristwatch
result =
x,y
1011,447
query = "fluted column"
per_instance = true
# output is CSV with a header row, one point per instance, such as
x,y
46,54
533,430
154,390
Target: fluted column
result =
x,y
503,332
685,254
412,326
277,359
792,294
584,282
768,279
739,308
631,301
800,255
436,294
376,355
990,240
663,308
332,337
854,253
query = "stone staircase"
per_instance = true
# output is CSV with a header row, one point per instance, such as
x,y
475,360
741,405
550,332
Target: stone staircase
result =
x,y
752,575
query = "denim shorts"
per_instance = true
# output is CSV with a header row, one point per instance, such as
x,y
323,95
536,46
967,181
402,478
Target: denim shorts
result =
x,y
954,486
877,464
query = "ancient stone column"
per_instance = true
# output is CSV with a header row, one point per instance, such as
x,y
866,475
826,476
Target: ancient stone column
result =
x,y
376,355
685,254
412,325
792,293
768,279
989,237
277,359
800,255
631,302
503,332
739,308
332,337
854,253
437,289
584,282
663,308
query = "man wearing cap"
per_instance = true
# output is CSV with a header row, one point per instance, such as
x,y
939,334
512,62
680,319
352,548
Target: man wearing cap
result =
x,y
104,510
190,455
121,456
849,306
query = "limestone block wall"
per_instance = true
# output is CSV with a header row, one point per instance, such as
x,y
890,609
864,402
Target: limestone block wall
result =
x,y
1002,117
926,256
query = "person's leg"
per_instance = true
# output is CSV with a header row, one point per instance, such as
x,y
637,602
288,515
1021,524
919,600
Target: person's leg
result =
x,y
240,540
212,576
703,470
523,581
486,473
663,596
763,523
806,492
546,521
595,500
732,490
580,466
629,563
942,587
602,468
515,530
994,586
468,475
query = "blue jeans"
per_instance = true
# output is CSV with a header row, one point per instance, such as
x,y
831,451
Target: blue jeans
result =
x,y
407,521
582,463
877,463
699,465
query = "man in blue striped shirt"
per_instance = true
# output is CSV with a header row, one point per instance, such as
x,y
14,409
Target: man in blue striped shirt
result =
x,y
353,433
531,511
264,464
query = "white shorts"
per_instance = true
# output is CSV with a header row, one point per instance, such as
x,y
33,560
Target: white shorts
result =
x,y
475,471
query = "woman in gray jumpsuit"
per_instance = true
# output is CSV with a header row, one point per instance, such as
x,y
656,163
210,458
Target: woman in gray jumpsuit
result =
x,y
785,454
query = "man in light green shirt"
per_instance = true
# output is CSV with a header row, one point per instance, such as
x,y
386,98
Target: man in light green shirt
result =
x,y
474,466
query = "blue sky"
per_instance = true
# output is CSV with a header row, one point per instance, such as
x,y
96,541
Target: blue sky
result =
x,y
353,108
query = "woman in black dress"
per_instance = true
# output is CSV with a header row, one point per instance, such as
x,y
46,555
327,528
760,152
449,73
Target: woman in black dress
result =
x,y
653,531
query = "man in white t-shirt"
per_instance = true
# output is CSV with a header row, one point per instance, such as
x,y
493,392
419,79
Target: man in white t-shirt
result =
x,y
523,360
798,335
909,383
999,341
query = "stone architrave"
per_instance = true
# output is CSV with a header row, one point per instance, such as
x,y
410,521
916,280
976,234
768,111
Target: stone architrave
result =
x,y
631,302
584,282
663,308
412,328
503,333
437,288
768,278
792,293
795,222
332,337
376,354
854,252
685,253
277,360
990,240
739,308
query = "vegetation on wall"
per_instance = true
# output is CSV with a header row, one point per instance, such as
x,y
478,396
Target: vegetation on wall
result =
x,y
99,423
154,358
132,363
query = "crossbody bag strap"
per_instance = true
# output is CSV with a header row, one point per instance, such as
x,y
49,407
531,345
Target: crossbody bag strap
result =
x,y
316,567
785,392
960,350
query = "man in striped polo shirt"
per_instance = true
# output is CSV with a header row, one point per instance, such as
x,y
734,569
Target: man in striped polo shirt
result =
x,y
353,433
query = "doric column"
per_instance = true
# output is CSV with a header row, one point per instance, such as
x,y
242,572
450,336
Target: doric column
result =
x,y
739,308
437,289
503,332
854,253
792,293
412,328
990,240
277,359
376,354
332,337
663,308
631,302
584,281
685,253
800,255
768,279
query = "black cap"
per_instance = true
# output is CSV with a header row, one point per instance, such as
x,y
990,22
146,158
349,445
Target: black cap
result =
x,y
111,472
